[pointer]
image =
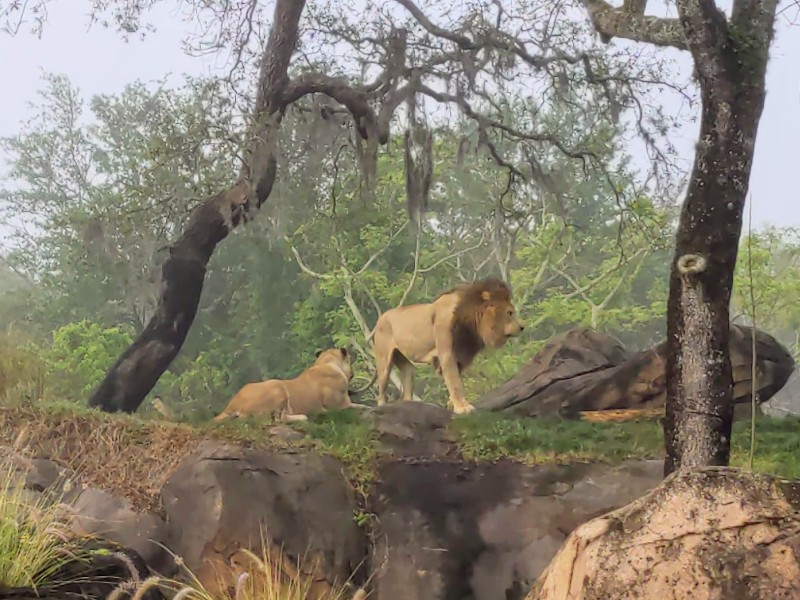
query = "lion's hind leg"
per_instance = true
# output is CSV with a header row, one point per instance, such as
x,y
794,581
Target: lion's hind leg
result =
x,y
384,358
285,406
406,369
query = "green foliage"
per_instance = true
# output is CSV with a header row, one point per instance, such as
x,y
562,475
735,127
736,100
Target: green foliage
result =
x,y
196,389
79,356
109,182
775,257
31,534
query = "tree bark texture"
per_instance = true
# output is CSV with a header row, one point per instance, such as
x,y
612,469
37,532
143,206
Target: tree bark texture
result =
x,y
730,60
138,369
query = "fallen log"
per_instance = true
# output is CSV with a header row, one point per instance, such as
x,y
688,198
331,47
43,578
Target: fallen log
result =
x,y
584,371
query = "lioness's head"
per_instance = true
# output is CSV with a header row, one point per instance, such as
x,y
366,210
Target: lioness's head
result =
x,y
496,316
338,356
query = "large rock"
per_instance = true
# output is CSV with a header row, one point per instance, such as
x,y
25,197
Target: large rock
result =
x,y
566,357
582,370
98,513
223,498
41,476
786,402
413,429
450,530
715,533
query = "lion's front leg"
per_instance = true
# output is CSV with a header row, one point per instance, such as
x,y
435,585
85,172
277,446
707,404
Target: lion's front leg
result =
x,y
455,385
450,367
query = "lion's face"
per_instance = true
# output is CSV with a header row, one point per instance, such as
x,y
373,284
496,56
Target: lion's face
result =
x,y
337,356
499,323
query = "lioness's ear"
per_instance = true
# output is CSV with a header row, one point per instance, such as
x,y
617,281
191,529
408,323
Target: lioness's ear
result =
x,y
344,352
317,353
485,295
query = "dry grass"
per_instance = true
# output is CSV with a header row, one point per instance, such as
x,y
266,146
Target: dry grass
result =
x,y
124,455
623,414
270,575
113,453
21,371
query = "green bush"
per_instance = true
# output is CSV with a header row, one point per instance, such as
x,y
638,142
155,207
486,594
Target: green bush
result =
x,y
79,356
199,390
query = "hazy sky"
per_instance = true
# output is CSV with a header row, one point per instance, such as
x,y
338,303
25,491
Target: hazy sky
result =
x,y
98,61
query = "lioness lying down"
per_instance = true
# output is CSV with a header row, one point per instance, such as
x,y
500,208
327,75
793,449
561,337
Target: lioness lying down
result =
x,y
447,333
321,386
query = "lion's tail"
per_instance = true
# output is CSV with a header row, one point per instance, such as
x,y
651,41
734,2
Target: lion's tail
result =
x,y
223,416
359,391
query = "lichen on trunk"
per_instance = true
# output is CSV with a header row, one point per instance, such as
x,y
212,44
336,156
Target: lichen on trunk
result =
x,y
731,71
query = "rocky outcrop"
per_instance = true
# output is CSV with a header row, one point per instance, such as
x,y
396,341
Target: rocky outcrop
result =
x,y
223,498
451,530
583,370
786,402
433,527
713,533
92,512
413,430
98,513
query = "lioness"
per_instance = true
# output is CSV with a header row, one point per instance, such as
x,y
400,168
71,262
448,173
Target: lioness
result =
x,y
447,333
321,386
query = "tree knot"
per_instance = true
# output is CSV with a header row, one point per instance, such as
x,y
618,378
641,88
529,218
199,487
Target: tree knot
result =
x,y
691,264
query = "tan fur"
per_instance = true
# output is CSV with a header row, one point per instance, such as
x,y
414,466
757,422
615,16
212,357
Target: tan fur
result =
x,y
447,333
321,386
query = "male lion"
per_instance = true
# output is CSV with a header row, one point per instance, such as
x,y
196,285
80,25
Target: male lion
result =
x,y
447,333
321,386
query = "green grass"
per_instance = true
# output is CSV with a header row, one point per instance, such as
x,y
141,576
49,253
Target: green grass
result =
x,y
777,449
486,436
33,535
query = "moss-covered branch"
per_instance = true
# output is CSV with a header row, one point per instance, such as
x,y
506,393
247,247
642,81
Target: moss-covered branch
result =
x,y
629,22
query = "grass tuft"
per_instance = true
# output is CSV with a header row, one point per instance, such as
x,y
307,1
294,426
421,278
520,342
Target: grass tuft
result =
x,y
34,538
22,372
270,575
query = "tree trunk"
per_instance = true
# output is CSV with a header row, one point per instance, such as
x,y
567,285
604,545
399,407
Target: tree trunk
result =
x,y
138,369
731,66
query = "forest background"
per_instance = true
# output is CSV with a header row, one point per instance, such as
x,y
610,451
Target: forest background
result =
x,y
98,187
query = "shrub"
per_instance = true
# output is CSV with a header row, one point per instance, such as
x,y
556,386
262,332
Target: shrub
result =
x,y
32,534
80,355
